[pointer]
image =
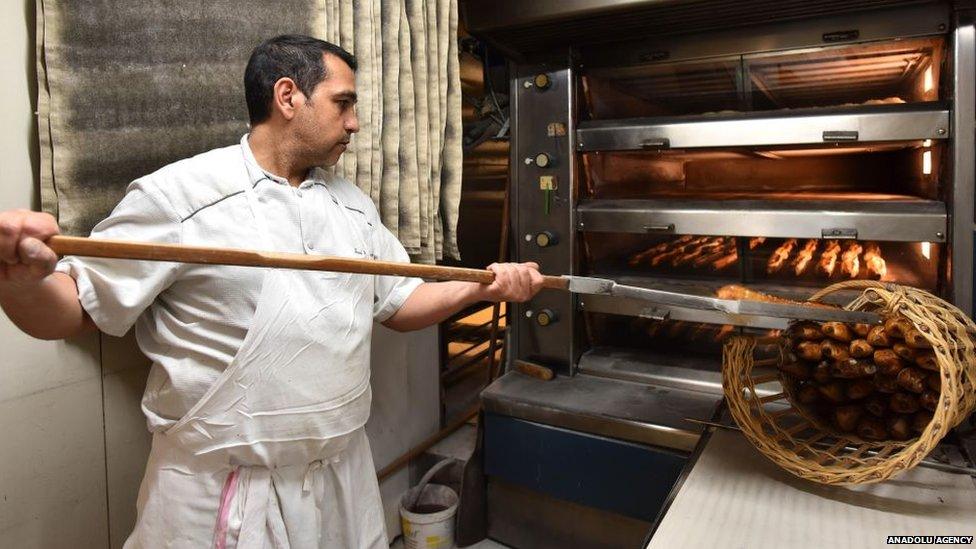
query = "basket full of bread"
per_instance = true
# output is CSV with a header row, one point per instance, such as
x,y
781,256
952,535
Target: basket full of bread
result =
x,y
840,403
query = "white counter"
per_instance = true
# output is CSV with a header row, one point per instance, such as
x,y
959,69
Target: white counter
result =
x,y
736,498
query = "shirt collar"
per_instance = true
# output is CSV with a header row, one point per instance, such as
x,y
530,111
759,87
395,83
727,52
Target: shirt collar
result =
x,y
315,176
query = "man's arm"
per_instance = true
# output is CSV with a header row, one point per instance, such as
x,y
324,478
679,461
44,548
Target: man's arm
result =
x,y
433,302
41,302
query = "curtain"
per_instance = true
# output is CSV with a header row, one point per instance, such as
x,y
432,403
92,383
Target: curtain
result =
x,y
126,87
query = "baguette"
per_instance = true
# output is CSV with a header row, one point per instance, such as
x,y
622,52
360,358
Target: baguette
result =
x,y
912,379
833,391
888,362
779,256
846,417
899,427
886,384
833,350
904,403
926,360
929,400
871,428
860,348
798,370
849,263
877,405
921,420
859,389
809,350
853,369
879,337
837,331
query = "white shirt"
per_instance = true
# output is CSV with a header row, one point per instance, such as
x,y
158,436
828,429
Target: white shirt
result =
x,y
191,319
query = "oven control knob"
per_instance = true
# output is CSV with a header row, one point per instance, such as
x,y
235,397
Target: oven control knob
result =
x,y
541,160
542,81
545,317
546,239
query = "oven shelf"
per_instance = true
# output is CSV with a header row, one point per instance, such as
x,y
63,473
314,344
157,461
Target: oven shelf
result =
x,y
904,220
661,368
859,124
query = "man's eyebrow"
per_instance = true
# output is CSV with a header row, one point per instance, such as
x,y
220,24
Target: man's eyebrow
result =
x,y
346,95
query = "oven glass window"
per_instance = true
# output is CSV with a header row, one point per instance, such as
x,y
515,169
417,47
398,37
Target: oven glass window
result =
x,y
786,266
877,171
894,72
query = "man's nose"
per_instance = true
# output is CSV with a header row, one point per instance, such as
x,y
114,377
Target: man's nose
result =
x,y
352,124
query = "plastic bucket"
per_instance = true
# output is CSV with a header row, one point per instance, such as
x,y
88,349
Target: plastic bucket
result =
x,y
429,524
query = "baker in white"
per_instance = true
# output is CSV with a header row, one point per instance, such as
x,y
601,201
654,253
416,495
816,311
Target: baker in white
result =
x,y
259,388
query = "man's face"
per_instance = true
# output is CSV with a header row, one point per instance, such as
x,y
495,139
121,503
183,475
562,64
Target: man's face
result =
x,y
328,119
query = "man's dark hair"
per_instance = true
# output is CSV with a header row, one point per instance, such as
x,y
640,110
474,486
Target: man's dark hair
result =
x,y
290,55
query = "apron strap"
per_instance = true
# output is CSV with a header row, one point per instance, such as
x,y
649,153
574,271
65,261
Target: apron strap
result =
x,y
223,512
255,519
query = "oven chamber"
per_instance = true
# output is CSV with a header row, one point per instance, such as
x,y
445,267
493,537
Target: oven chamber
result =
x,y
758,146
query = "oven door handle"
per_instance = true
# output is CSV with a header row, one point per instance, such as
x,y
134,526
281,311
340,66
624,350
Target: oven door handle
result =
x,y
664,228
655,144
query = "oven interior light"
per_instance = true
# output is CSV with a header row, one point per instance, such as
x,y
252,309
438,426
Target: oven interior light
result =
x,y
927,163
929,84
927,143
927,250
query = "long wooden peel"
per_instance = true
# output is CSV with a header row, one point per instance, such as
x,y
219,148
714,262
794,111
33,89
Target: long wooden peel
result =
x,y
122,249
730,311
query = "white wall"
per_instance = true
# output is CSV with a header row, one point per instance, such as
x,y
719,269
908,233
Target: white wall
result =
x,y
73,441
52,451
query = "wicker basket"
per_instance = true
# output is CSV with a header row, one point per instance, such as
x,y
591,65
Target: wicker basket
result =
x,y
812,449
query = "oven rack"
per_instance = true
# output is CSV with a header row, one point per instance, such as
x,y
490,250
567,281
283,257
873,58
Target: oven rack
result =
x,y
858,124
905,220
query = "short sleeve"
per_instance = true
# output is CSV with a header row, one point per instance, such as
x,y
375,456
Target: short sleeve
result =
x,y
115,292
391,291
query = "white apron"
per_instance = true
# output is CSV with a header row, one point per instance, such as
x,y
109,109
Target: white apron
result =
x,y
275,454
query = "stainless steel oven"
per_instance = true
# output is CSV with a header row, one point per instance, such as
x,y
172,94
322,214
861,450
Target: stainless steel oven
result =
x,y
690,145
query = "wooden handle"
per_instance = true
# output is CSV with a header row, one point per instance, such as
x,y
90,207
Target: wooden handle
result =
x,y
121,249
532,369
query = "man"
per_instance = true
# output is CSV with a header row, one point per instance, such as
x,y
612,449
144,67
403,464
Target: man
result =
x,y
259,387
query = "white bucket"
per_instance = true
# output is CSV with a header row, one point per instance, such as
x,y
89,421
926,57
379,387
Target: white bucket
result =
x,y
430,523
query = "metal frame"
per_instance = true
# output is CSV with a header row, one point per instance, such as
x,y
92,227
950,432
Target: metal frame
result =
x,y
605,407
815,126
532,110
655,29
963,164
908,221
630,307
898,22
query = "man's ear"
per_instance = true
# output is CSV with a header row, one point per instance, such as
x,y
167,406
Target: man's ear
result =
x,y
286,97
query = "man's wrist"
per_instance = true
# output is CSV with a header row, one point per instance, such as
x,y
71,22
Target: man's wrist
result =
x,y
474,292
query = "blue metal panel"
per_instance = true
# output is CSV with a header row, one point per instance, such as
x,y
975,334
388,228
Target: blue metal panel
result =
x,y
621,477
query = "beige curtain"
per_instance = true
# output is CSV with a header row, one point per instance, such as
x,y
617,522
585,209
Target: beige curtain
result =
x,y
120,96
408,155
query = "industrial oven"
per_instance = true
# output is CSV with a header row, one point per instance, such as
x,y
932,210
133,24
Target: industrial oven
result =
x,y
689,146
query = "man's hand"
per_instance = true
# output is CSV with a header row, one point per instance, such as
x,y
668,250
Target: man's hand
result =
x,y
41,302
516,282
24,257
